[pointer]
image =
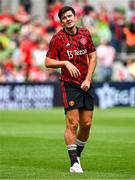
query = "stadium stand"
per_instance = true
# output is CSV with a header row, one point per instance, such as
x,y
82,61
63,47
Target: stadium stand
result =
x,y
24,41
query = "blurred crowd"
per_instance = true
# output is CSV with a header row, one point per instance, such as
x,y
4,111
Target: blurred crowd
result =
x,y
24,41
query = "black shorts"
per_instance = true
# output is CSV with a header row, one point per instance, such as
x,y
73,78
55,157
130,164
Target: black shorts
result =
x,y
76,98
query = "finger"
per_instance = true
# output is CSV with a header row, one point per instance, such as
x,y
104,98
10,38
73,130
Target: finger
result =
x,y
71,73
76,73
84,87
81,86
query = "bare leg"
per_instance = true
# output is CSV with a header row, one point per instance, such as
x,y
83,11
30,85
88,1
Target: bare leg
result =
x,y
84,130
72,120
85,124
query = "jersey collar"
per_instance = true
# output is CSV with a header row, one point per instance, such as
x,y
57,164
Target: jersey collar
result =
x,y
71,34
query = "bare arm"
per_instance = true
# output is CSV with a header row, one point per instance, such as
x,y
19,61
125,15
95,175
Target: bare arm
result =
x,y
91,68
92,65
52,63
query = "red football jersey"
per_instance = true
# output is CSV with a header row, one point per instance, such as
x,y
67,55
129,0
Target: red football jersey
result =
x,y
73,48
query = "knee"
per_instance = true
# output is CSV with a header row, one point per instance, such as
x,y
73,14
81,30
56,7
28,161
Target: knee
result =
x,y
86,126
72,124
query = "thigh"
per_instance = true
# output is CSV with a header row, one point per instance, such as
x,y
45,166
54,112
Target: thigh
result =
x,y
85,117
72,117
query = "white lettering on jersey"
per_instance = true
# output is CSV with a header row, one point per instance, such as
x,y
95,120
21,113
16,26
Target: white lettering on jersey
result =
x,y
68,44
76,52
70,54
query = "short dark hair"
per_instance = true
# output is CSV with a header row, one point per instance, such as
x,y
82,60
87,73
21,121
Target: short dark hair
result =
x,y
65,9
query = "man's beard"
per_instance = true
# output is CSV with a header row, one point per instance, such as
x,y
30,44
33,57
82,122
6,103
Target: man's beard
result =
x,y
71,27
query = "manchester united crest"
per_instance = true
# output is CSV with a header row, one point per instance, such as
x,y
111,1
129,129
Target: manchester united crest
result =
x,y
71,103
83,41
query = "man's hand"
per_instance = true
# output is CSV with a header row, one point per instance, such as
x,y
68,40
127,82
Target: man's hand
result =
x,y
85,85
72,69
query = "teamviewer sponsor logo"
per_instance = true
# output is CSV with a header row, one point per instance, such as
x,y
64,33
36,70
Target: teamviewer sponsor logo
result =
x,y
76,53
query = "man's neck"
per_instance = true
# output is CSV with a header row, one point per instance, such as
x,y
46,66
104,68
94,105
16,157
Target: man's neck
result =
x,y
71,31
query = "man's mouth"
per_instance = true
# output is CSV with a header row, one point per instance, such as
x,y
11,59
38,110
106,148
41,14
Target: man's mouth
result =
x,y
70,22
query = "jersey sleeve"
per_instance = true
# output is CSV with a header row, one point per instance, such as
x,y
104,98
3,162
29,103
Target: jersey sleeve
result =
x,y
90,46
54,47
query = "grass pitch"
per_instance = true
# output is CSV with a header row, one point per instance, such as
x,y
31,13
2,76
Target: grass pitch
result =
x,y
32,145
